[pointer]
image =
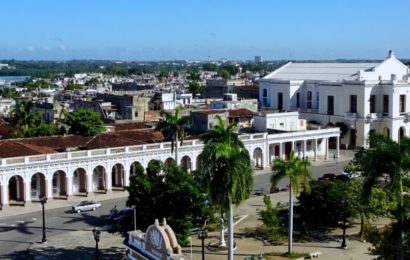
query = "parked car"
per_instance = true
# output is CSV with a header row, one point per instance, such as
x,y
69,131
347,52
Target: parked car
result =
x,y
86,205
328,176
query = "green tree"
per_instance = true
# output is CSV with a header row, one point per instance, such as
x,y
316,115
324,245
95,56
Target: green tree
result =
x,y
224,74
227,171
195,88
72,86
23,117
174,195
172,125
385,157
298,173
84,122
210,67
9,93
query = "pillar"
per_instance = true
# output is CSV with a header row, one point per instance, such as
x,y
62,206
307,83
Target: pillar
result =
x,y
108,184
280,151
69,183
27,191
5,194
89,177
304,148
337,146
315,149
326,148
49,188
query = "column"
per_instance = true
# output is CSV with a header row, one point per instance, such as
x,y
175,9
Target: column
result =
x,y
315,149
193,163
304,148
89,177
326,148
27,191
126,178
49,188
337,147
69,183
109,181
293,146
280,151
5,194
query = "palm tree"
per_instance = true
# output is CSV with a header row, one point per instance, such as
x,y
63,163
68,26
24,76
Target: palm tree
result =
x,y
227,172
173,125
385,156
24,117
296,169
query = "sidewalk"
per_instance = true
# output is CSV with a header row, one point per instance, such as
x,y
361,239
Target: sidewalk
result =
x,y
30,207
80,245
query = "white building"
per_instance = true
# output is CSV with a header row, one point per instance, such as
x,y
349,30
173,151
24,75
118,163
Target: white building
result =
x,y
367,97
285,121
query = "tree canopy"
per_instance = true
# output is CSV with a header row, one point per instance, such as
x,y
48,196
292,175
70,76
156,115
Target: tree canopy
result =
x,y
84,122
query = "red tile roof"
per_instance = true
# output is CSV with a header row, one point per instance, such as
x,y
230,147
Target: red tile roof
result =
x,y
14,148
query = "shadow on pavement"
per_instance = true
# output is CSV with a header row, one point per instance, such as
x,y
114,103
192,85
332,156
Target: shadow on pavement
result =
x,y
17,255
83,253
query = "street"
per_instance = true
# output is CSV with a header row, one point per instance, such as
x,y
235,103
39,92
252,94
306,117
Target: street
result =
x,y
18,232
262,179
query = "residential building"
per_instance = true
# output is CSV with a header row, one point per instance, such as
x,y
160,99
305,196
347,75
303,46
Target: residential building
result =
x,y
367,97
230,101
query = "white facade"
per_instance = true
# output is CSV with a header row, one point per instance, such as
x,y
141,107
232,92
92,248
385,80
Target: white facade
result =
x,y
286,121
367,97
22,179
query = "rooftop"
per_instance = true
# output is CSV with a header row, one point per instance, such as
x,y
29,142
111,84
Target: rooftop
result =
x,y
320,71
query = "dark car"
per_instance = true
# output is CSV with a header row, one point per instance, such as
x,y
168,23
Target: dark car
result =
x,y
328,176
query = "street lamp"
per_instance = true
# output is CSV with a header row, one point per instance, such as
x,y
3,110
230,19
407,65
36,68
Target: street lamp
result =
x,y
43,200
343,245
202,234
96,234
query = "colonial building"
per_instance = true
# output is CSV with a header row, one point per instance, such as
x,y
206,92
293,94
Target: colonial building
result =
x,y
66,166
367,97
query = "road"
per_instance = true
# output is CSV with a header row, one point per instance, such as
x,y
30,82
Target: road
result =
x,y
262,180
18,232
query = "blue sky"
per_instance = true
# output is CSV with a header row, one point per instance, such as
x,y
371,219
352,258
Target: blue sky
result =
x,y
199,29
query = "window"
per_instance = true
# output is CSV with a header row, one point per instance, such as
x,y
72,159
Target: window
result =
x,y
265,92
402,103
385,105
309,100
280,101
298,100
330,105
373,104
353,103
317,100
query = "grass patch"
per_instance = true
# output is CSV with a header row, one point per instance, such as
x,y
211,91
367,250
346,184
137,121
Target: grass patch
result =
x,y
275,255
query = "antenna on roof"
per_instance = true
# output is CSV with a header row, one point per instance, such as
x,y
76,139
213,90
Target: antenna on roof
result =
x,y
391,54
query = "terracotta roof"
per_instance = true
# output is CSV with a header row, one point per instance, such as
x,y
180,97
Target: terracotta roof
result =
x,y
210,111
124,138
240,112
14,148
53,144
58,143
130,125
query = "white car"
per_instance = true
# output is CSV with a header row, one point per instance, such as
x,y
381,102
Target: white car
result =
x,y
86,205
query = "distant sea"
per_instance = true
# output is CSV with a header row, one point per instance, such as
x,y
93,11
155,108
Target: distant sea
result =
x,y
14,78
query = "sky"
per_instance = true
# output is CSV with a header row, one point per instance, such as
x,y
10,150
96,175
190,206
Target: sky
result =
x,y
203,29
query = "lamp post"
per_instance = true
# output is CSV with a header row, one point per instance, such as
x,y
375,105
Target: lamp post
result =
x,y
202,234
43,200
343,245
96,234
135,219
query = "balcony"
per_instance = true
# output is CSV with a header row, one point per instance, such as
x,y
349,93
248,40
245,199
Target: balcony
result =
x,y
373,115
350,115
